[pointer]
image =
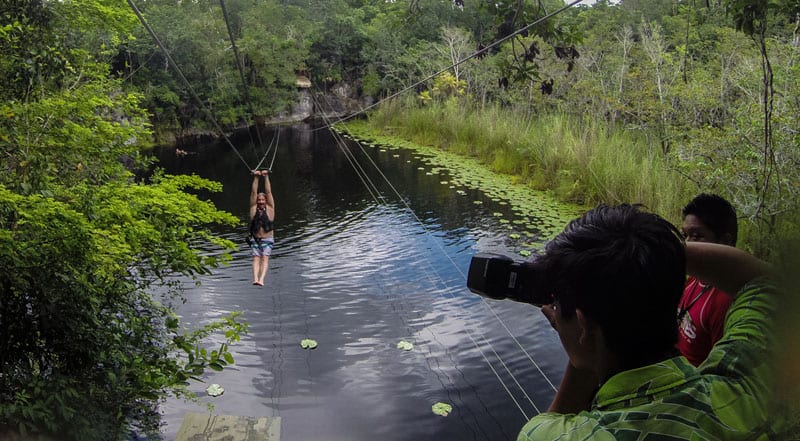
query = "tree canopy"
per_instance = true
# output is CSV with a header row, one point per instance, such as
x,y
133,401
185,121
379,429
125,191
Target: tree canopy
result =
x,y
706,91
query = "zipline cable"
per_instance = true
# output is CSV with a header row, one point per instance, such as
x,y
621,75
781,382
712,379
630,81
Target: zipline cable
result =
x,y
452,296
272,145
360,172
175,66
329,124
502,323
245,93
458,63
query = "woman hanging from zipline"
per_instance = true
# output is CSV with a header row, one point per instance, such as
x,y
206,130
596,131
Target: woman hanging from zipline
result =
x,y
262,214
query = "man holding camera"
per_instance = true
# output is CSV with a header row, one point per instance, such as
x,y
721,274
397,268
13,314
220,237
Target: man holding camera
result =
x,y
614,277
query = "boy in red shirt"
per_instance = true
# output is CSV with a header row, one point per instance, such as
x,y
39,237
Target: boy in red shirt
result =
x,y
702,309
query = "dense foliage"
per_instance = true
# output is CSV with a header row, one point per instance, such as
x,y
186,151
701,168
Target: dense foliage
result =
x,y
709,87
637,100
88,252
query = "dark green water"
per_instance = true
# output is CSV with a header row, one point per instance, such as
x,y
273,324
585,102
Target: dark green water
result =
x,y
360,263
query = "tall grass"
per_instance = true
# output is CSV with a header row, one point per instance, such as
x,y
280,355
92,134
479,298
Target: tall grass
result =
x,y
577,159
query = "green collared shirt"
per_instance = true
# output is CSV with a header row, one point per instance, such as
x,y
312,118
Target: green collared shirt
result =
x,y
725,398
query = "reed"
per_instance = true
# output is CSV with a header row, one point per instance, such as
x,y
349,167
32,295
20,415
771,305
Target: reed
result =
x,y
581,160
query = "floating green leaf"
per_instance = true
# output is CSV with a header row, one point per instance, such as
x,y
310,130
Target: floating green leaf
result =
x,y
215,390
405,346
307,343
442,409
514,236
525,253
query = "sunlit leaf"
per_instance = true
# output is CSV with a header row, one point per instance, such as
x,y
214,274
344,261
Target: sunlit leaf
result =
x,y
215,390
442,409
307,343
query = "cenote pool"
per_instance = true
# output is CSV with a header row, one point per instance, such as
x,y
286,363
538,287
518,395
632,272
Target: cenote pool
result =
x,y
362,261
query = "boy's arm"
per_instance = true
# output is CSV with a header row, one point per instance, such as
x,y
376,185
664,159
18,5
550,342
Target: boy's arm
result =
x,y
728,268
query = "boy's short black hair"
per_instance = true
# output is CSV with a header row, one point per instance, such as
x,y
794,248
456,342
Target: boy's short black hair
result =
x,y
716,213
625,268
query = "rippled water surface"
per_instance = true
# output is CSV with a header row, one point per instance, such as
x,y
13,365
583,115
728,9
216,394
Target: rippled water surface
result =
x,y
360,263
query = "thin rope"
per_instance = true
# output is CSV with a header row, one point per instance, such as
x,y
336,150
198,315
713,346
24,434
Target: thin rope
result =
x,y
273,144
461,273
186,82
240,68
360,172
469,333
458,63
389,288
491,347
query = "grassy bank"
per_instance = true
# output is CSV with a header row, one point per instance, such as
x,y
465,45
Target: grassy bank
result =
x,y
576,160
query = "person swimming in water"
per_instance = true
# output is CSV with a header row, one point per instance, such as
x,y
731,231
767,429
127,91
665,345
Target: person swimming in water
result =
x,y
262,215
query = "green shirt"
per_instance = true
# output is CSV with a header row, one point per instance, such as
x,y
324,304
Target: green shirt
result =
x,y
725,398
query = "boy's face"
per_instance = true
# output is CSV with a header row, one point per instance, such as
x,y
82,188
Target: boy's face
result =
x,y
694,230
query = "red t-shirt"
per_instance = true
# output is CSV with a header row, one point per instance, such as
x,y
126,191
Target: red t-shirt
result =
x,y
702,324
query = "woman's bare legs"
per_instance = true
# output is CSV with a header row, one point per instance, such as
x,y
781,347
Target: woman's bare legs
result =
x,y
260,266
256,265
262,271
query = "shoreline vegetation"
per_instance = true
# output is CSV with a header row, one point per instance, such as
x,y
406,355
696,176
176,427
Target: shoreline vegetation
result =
x,y
574,159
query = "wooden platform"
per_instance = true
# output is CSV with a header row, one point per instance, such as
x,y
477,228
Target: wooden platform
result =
x,y
208,427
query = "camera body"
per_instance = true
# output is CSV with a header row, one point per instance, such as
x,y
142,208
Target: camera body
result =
x,y
498,277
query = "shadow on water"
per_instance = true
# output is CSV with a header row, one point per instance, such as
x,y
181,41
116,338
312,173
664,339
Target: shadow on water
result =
x,y
358,274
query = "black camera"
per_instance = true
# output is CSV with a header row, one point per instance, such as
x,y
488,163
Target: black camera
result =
x,y
500,277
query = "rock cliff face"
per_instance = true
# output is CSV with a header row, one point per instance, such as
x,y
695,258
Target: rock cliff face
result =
x,y
339,101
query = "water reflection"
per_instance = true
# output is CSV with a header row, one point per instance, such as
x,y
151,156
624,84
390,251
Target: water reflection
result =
x,y
358,275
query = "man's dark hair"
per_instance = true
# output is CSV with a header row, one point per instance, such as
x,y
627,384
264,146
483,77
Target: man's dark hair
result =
x,y
625,269
716,213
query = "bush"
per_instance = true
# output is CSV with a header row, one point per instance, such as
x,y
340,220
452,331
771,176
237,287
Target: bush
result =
x,y
87,351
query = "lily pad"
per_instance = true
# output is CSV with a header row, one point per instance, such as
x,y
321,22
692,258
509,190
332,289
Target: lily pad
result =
x,y
307,343
215,390
442,409
404,345
525,253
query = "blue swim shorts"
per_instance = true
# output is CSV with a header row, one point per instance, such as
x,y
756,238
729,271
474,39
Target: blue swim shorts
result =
x,y
262,247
